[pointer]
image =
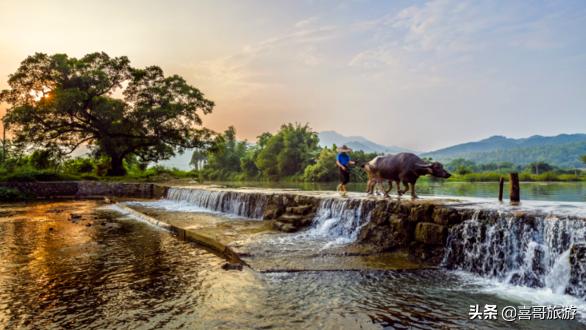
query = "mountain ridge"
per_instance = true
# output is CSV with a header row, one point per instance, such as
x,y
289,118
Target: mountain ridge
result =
x,y
328,138
561,150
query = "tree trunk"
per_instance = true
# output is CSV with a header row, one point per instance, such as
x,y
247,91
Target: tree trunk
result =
x,y
116,166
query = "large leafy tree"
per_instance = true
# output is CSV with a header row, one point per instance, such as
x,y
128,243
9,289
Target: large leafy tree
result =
x,y
288,152
59,102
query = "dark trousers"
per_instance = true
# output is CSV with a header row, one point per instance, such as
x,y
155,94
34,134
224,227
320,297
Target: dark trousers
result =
x,y
344,176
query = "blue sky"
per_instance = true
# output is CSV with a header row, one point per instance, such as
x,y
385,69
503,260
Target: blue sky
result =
x,y
418,74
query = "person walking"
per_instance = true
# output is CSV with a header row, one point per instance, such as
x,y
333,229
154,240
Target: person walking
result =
x,y
343,162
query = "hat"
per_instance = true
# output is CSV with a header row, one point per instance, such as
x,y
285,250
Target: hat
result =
x,y
344,148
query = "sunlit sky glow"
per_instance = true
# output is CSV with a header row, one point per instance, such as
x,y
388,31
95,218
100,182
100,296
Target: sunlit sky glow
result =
x,y
417,74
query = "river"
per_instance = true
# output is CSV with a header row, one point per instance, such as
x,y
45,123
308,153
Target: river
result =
x,y
73,264
543,191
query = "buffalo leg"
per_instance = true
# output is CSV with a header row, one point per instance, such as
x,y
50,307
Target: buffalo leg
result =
x,y
413,194
406,185
388,190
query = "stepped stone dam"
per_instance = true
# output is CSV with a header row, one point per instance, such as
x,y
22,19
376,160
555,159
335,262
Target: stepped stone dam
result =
x,y
529,246
540,246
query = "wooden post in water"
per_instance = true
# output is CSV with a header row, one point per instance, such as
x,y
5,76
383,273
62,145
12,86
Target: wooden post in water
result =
x,y
501,187
514,192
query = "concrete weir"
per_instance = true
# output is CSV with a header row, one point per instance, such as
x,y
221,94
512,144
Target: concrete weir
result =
x,y
536,244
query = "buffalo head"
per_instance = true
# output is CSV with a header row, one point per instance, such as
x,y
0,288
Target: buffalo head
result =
x,y
437,170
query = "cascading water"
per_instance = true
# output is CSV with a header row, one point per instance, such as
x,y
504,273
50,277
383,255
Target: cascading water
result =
x,y
339,221
250,205
528,251
242,204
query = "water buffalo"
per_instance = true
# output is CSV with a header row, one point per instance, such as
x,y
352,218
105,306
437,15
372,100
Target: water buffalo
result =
x,y
403,168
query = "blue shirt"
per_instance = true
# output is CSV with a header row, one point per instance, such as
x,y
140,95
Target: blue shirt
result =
x,y
343,158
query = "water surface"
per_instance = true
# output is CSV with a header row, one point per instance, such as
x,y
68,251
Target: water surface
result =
x,y
543,191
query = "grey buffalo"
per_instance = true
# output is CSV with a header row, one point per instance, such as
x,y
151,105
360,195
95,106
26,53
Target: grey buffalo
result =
x,y
403,168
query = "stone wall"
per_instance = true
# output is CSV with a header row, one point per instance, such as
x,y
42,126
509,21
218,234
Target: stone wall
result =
x,y
87,189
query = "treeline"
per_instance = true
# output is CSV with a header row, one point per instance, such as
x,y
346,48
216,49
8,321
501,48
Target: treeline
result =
x,y
467,170
293,153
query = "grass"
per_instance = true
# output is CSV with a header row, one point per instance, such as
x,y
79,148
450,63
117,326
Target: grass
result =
x,y
523,176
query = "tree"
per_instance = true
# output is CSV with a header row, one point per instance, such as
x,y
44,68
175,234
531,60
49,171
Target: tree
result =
x,y
324,169
539,167
461,166
224,156
583,158
61,102
288,152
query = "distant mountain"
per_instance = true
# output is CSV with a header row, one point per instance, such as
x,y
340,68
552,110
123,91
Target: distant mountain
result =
x,y
562,150
328,138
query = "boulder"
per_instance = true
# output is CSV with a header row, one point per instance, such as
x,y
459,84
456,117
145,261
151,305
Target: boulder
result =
x,y
430,233
577,284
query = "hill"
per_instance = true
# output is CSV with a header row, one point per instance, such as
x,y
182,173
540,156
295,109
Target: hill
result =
x,y
327,138
562,150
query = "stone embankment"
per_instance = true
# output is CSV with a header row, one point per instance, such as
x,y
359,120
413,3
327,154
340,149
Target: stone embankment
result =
x,y
87,189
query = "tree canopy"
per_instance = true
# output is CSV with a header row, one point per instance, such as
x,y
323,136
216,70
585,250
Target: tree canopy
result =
x,y
60,103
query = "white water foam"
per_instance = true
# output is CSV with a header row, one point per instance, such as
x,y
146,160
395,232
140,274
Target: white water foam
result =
x,y
337,222
179,206
527,259
523,295
225,203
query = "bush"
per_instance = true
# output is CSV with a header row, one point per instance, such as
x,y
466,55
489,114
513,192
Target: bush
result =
x,y
27,174
79,165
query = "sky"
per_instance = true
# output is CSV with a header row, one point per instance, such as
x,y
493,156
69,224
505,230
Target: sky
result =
x,y
417,74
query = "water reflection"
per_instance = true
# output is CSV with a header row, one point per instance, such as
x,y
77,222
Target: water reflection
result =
x,y
545,191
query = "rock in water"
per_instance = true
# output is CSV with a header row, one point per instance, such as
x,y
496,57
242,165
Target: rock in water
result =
x,y
232,266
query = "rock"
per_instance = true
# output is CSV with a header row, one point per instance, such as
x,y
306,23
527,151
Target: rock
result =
x,y
299,210
422,213
291,218
285,227
577,283
232,266
401,231
74,217
430,233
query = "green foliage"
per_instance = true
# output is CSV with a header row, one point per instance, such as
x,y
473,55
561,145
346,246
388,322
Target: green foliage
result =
x,y
561,155
583,159
461,166
82,165
288,152
224,156
539,167
44,159
60,102
324,170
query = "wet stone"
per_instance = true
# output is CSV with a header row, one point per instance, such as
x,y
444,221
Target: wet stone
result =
x,y
577,285
430,233
232,266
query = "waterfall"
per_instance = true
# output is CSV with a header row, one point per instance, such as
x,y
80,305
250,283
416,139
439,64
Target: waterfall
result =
x,y
340,220
534,251
250,205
